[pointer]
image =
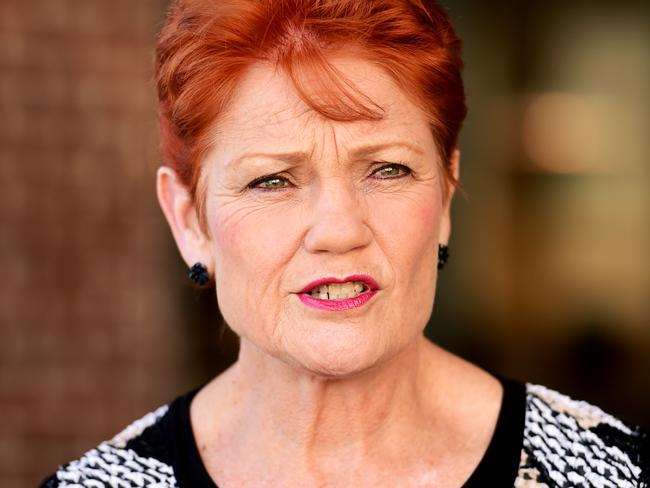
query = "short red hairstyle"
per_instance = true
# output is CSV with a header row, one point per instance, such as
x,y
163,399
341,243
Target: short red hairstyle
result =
x,y
205,46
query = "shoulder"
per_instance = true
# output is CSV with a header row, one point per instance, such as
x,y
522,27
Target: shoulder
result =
x,y
573,443
134,457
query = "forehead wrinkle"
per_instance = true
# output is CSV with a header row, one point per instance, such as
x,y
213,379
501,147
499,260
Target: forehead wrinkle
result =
x,y
246,133
266,121
336,146
292,122
324,128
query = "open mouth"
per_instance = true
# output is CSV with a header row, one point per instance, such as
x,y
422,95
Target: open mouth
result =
x,y
335,297
339,291
335,294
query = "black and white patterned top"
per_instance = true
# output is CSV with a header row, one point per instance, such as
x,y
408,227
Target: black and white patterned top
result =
x,y
542,439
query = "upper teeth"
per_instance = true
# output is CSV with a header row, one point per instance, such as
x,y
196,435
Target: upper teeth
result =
x,y
338,290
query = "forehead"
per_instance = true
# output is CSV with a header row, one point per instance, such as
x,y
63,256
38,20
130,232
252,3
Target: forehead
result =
x,y
267,110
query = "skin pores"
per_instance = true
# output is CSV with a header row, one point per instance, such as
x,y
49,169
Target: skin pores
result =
x,y
329,212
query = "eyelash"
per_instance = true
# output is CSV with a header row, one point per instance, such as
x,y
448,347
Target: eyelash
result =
x,y
399,165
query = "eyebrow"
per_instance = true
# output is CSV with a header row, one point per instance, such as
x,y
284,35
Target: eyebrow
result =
x,y
367,151
290,157
301,156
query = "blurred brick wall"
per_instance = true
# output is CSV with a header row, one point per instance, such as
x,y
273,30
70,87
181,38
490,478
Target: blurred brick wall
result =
x,y
90,338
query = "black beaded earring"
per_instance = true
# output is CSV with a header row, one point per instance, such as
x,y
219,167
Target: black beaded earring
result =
x,y
443,255
199,274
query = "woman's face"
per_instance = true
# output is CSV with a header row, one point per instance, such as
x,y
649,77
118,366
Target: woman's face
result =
x,y
292,197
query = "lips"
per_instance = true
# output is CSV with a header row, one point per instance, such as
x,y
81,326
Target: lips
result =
x,y
367,280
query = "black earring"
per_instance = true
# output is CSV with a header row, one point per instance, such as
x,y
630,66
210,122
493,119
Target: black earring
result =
x,y
199,274
443,255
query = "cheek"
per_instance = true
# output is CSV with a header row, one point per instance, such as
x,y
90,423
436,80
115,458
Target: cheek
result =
x,y
424,227
410,242
247,233
410,233
251,247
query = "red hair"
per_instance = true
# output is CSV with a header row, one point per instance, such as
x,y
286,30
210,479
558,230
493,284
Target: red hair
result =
x,y
206,45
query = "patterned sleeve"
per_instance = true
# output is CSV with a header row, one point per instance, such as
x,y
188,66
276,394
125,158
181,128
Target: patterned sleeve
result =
x,y
574,443
115,463
644,458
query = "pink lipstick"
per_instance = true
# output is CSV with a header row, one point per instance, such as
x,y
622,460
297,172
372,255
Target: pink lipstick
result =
x,y
343,303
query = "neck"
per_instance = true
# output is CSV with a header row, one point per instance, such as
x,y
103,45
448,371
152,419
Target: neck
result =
x,y
314,421
265,420
424,417
330,414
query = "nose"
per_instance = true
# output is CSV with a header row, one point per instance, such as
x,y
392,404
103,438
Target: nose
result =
x,y
337,218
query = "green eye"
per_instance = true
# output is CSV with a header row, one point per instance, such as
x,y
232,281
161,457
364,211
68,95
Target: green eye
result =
x,y
392,170
269,183
272,183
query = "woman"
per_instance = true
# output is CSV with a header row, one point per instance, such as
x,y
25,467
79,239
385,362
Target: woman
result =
x,y
311,151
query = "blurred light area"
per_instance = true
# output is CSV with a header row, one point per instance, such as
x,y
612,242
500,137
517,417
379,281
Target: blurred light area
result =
x,y
585,118
590,104
583,250
550,252
596,61
570,133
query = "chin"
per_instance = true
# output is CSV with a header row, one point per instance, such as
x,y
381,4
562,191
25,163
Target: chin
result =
x,y
336,354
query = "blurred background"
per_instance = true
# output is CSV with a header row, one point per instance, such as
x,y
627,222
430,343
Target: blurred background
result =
x,y
549,275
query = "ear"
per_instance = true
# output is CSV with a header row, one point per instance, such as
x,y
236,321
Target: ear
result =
x,y
445,222
180,211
